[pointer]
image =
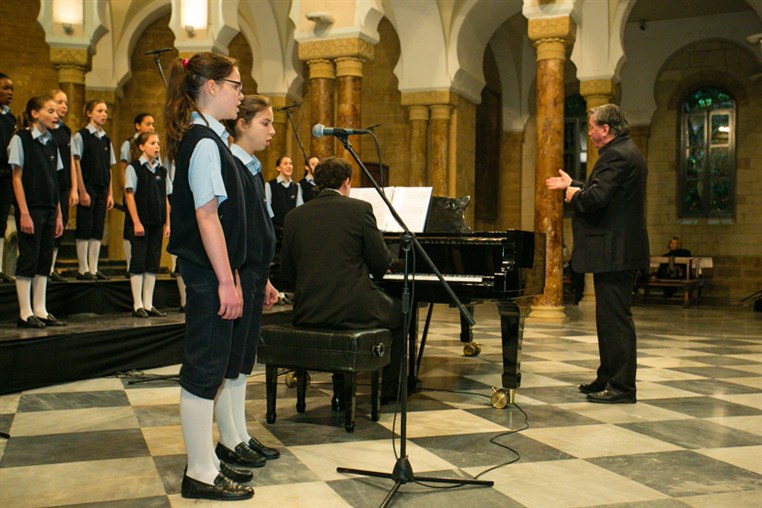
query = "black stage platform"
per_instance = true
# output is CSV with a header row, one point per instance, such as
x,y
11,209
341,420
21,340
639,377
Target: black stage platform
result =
x,y
102,337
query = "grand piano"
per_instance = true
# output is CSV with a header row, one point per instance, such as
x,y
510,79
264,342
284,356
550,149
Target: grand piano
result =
x,y
507,267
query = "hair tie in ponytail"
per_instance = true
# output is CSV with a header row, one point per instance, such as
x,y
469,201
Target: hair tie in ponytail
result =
x,y
185,63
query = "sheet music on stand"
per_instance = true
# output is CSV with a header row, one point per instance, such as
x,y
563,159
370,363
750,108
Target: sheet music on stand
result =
x,y
411,203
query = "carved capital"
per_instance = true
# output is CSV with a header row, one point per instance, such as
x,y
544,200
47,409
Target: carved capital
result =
x,y
440,112
551,36
349,66
321,69
418,113
71,63
596,91
335,48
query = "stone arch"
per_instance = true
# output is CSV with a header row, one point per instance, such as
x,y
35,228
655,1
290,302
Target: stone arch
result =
x,y
132,31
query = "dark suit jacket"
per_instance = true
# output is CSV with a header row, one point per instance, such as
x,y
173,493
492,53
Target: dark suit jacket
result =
x,y
330,246
609,212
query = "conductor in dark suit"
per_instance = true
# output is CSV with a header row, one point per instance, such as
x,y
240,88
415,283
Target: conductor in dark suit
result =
x,y
331,246
611,241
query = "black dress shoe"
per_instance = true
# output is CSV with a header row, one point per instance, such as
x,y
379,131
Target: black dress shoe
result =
x,y
593,387
99,275
612,397
30,322
56,277
140,313
337,403
241,456
153,311
182,309
224,489
237,475
51,320
85,276
265,451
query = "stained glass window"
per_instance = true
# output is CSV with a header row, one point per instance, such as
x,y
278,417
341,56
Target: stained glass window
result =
x,y
707,155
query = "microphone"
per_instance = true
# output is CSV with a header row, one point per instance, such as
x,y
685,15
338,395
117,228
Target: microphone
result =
x,y
159,51
286,108
320,130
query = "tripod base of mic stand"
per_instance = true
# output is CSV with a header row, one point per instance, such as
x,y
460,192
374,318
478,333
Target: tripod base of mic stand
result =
x,y
403,473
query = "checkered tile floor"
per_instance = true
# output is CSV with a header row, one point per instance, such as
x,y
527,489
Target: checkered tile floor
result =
x,y
693,439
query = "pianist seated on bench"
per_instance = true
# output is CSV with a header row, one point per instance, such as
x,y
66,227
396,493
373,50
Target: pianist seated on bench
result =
x,y
672,270
330,247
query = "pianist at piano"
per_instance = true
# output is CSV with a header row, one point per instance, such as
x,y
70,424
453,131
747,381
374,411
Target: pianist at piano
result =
x,y
331,246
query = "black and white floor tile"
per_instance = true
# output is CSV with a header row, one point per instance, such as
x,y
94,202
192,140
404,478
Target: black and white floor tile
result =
x,y
693,439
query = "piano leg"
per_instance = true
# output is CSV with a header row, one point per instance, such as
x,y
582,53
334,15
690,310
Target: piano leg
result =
x,y
466,334
512,333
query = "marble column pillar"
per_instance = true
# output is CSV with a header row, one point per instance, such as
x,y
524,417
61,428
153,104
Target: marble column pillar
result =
x,y
440,135
419,144
550,37
279,142
72,64
348,94
322,75
596,92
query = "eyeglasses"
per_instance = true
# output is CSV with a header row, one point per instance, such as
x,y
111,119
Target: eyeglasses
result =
x,y
237,85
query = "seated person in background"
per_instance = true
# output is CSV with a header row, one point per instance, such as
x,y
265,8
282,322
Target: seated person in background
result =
x,y
673,270
330,247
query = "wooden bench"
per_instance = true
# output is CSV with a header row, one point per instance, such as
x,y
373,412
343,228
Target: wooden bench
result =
x,y
347,352
690,283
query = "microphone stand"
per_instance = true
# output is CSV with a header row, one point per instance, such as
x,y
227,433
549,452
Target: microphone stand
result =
x,y
157,61
403,470
287,110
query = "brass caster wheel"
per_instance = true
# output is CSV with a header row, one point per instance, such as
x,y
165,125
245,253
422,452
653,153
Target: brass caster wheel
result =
x,y
290,379
502,397
472,349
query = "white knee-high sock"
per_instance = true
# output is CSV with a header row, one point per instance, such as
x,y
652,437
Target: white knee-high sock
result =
x,y
39,291
149,282
223,412
181,289
238,394
172,262
82,247
136,285
196,419
24,294
2,251
127,252
53,264
93,251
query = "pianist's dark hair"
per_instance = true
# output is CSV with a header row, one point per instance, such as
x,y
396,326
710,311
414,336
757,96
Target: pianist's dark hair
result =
x,y
331,172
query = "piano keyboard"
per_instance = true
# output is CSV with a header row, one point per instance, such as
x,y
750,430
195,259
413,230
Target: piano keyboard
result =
x,y
431,277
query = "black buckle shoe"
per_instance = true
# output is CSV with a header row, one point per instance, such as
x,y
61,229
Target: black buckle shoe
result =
x,y
241,456
85,276
56,277
140,313
612,397
237,475
223,489
51,320
153,311
593,387
265,451
30,322
99,275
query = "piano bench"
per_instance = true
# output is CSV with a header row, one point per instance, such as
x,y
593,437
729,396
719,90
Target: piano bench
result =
x,y
346,352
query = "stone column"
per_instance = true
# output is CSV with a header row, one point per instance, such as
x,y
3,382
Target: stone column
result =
x,y
440,136
72,64
596,92
419,144
550,37
348,92
322,75
279,142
